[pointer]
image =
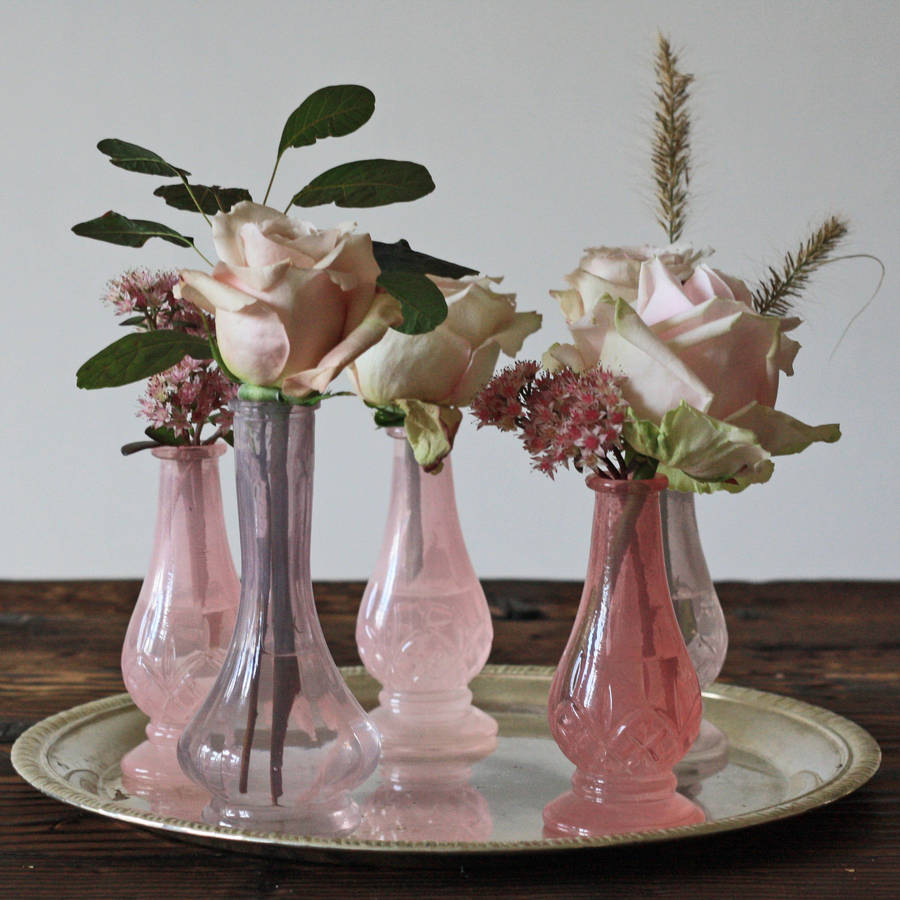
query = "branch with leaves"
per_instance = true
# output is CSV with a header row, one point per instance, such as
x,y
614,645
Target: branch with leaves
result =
x,y
331,111
775,295
671,142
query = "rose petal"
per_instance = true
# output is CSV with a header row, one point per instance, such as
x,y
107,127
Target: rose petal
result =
x,y
559,355
737,353
476,313
253,342
657,380
570,303
210,293
659,295
475,376
513,336
422,366
383,314
705,284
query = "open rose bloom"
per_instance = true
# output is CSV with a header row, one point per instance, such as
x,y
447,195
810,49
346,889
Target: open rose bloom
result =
x,y
429,376
701,367
293,305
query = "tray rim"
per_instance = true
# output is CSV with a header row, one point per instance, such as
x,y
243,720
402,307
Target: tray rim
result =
x,y
863,760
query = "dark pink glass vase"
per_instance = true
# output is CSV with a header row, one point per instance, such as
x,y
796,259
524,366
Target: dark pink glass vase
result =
x,y
424,629
280,741
182,622
625,701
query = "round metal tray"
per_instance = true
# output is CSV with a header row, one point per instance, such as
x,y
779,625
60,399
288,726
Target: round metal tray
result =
x,y
785,757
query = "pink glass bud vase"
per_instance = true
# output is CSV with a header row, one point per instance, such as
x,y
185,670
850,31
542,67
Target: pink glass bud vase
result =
x,y
182,623
280,740
625,702
424,629
700,618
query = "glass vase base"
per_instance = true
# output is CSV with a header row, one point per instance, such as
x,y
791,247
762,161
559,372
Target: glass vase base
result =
x,y
153,766
708,755
320,820
573,815
464,739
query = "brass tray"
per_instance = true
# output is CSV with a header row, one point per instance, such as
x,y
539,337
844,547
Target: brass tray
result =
x,y
786,757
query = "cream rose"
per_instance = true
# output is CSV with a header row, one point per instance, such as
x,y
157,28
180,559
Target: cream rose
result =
x,y
702,370
429,376
293,305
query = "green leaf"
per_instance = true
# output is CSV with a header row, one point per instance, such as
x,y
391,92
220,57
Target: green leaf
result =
x,y
164,436
212,199
424,307
389,416
328,112
367,182
138,159
401,257
133,320
118,229
138,356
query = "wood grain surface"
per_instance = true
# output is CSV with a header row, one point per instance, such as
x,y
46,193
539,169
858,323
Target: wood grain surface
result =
x,y
830,643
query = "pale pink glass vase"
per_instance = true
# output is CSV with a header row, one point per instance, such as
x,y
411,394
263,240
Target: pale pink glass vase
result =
x,y
625,702
424,629
280,740
426,801
700,618
182,623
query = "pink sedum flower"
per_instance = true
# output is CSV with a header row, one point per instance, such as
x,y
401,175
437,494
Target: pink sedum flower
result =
x,y
188,396
562,417
193,393
151,295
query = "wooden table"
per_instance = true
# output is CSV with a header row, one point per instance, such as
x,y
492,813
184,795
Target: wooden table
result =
x,y
829,643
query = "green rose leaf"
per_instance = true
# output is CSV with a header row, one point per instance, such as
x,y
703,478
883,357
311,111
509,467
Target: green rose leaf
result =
x,y
388,416
367,182
423,305
699,453
138,159
399,256
211,199
117,229
139,355
328,112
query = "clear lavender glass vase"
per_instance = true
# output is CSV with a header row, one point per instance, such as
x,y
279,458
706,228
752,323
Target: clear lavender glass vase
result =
x,y
624,704
700,618
424,629
280,741
184,616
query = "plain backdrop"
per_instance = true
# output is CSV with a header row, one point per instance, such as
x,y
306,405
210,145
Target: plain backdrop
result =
x,y
534,119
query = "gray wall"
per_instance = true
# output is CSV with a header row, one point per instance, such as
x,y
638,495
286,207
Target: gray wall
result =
x,y
533,118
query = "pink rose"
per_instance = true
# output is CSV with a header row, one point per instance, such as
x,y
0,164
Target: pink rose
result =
x,y
293,305
620,267
701,368
700,342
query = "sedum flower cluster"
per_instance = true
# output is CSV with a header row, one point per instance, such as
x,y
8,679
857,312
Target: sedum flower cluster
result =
x,y
562,416
194,393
